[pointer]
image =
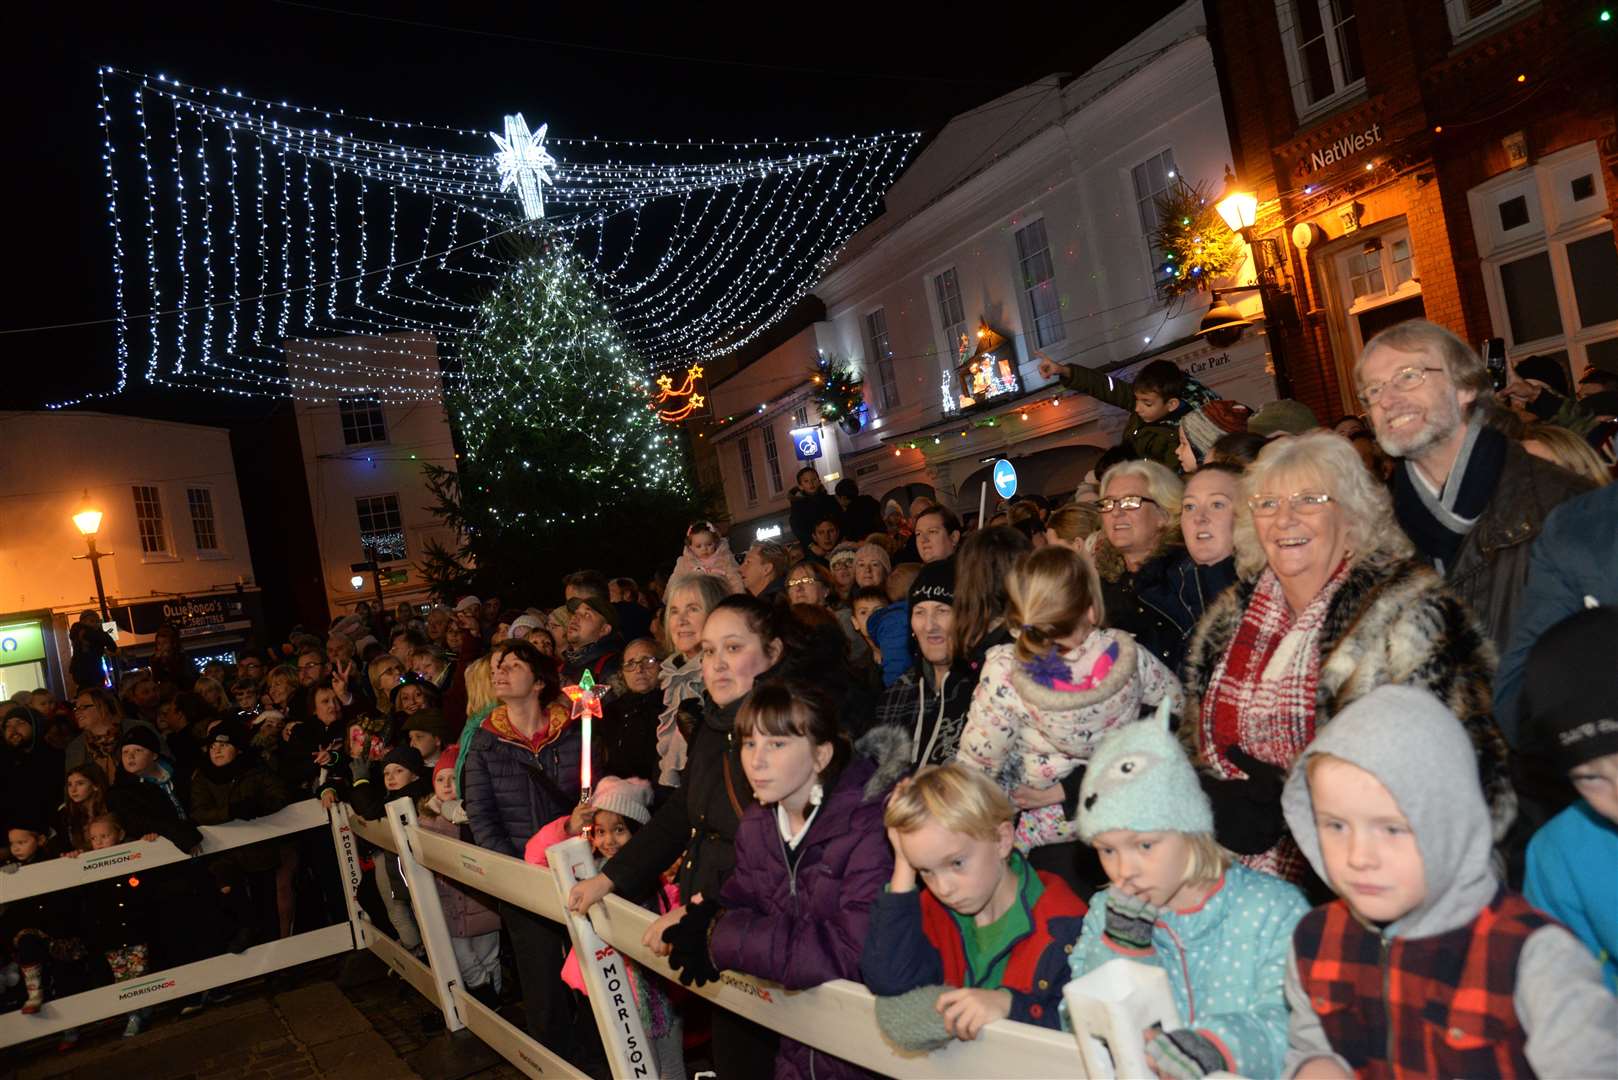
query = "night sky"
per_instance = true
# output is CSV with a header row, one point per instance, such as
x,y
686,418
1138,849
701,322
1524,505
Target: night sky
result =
x,y
618,71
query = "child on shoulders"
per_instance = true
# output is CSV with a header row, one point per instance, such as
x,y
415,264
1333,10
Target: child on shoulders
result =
x,y
1044,701
1426,965
705,553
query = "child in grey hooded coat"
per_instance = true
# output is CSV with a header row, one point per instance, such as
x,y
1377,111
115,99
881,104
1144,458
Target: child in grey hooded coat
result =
x,y
1427,965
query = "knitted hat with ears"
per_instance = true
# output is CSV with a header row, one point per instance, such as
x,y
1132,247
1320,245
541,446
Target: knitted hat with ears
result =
x,y
1139,779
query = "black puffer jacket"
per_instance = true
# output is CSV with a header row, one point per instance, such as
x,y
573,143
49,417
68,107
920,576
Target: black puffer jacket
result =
x,y
1134,600
510,790
699,819
238,791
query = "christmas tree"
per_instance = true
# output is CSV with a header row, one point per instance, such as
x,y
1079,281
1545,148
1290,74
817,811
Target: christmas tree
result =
x,y
564,465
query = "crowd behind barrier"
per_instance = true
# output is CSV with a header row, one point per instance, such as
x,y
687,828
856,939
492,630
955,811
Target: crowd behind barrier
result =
x,y
881,784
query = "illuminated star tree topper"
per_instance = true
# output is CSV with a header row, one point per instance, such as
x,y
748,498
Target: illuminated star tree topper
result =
x,y
524,164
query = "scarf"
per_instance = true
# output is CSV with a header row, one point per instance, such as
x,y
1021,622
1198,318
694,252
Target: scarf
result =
x,y
682,682
1438,523
103,750
1261,696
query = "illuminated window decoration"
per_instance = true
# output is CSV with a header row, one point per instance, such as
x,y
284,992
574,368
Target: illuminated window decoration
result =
x,y
240,224
675,403
990,371
525,164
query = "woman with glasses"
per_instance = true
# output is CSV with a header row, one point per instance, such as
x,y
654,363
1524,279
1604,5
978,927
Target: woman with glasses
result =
x,y
1138,543
810,583
1329,604
101,725
626,745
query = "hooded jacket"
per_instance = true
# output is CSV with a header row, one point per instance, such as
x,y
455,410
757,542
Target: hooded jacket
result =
x,y
1024,727
31,777
1565,1018
801,920
929,717
1146,602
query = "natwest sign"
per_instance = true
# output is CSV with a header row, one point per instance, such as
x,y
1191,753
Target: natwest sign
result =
x,y
1339,150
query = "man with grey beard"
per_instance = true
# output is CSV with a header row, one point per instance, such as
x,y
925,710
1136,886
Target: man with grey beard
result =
x,y
1471,500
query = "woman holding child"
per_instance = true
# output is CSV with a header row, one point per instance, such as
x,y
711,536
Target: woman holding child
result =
x,y
1328,605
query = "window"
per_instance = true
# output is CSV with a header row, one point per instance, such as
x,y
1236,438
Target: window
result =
x,y
203,529
772,461
154,536
381,531
1377,283
1470,18
951,316
876,339
1321,40
748,480
362,421
1039,283
1550,264
1153,178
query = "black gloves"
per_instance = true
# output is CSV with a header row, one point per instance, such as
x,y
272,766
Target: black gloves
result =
x,y
688,940
1247,813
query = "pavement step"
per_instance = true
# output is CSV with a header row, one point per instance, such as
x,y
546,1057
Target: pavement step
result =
x,y
320,1014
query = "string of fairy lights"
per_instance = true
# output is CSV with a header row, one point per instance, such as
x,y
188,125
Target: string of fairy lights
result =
x,y
242,225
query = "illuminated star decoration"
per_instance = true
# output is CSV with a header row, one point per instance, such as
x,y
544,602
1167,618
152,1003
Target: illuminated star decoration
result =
x,y
524,163
585,697
674,404
586,703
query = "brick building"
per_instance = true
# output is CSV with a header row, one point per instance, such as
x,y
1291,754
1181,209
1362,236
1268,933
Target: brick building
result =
x,y
1456,159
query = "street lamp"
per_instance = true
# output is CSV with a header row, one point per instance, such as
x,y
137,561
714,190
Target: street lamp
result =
x,y
88,521
369,566
1223,324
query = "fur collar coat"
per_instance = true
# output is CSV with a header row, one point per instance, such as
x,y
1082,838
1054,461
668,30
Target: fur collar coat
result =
x,y
1392,621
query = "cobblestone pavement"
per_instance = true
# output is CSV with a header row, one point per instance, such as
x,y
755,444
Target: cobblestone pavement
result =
x,y
341,1018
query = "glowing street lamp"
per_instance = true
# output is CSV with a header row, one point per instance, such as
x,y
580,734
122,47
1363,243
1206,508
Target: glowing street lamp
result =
x,y
88,521
1223,324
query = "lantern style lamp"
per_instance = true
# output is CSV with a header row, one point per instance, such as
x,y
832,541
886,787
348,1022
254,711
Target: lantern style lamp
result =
x,y
88,521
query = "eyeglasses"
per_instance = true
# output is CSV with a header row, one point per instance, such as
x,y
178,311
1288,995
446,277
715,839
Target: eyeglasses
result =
x,y
795,582
1123,502
645,663
1406,378
1303,502
86,707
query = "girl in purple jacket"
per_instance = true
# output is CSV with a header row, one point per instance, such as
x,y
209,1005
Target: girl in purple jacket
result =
x,y
811,858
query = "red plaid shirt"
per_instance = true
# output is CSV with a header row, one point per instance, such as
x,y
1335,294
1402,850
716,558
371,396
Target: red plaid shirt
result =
x,y
1434,1006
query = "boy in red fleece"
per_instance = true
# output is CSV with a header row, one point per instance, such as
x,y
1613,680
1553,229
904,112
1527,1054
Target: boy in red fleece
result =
x,y
987,924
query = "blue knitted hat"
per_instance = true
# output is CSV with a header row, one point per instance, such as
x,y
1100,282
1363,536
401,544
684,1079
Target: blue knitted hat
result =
x,y
1139,779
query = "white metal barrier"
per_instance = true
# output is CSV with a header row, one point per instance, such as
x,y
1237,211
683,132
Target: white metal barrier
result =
x,y
838,1018
140,857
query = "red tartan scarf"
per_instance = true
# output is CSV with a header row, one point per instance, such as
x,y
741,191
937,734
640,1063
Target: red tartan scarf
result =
x,y
1262,693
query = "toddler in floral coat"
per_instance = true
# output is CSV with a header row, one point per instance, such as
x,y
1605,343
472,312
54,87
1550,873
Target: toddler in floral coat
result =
x,y
1044,701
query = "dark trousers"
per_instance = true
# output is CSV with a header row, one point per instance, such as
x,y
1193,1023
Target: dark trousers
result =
x,y
538,947
742,1049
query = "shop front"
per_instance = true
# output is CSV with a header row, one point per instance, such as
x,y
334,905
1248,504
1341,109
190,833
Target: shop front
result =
x,y
212,626
23,655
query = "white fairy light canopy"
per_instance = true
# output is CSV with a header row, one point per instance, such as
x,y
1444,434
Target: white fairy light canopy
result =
x,y
241,224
